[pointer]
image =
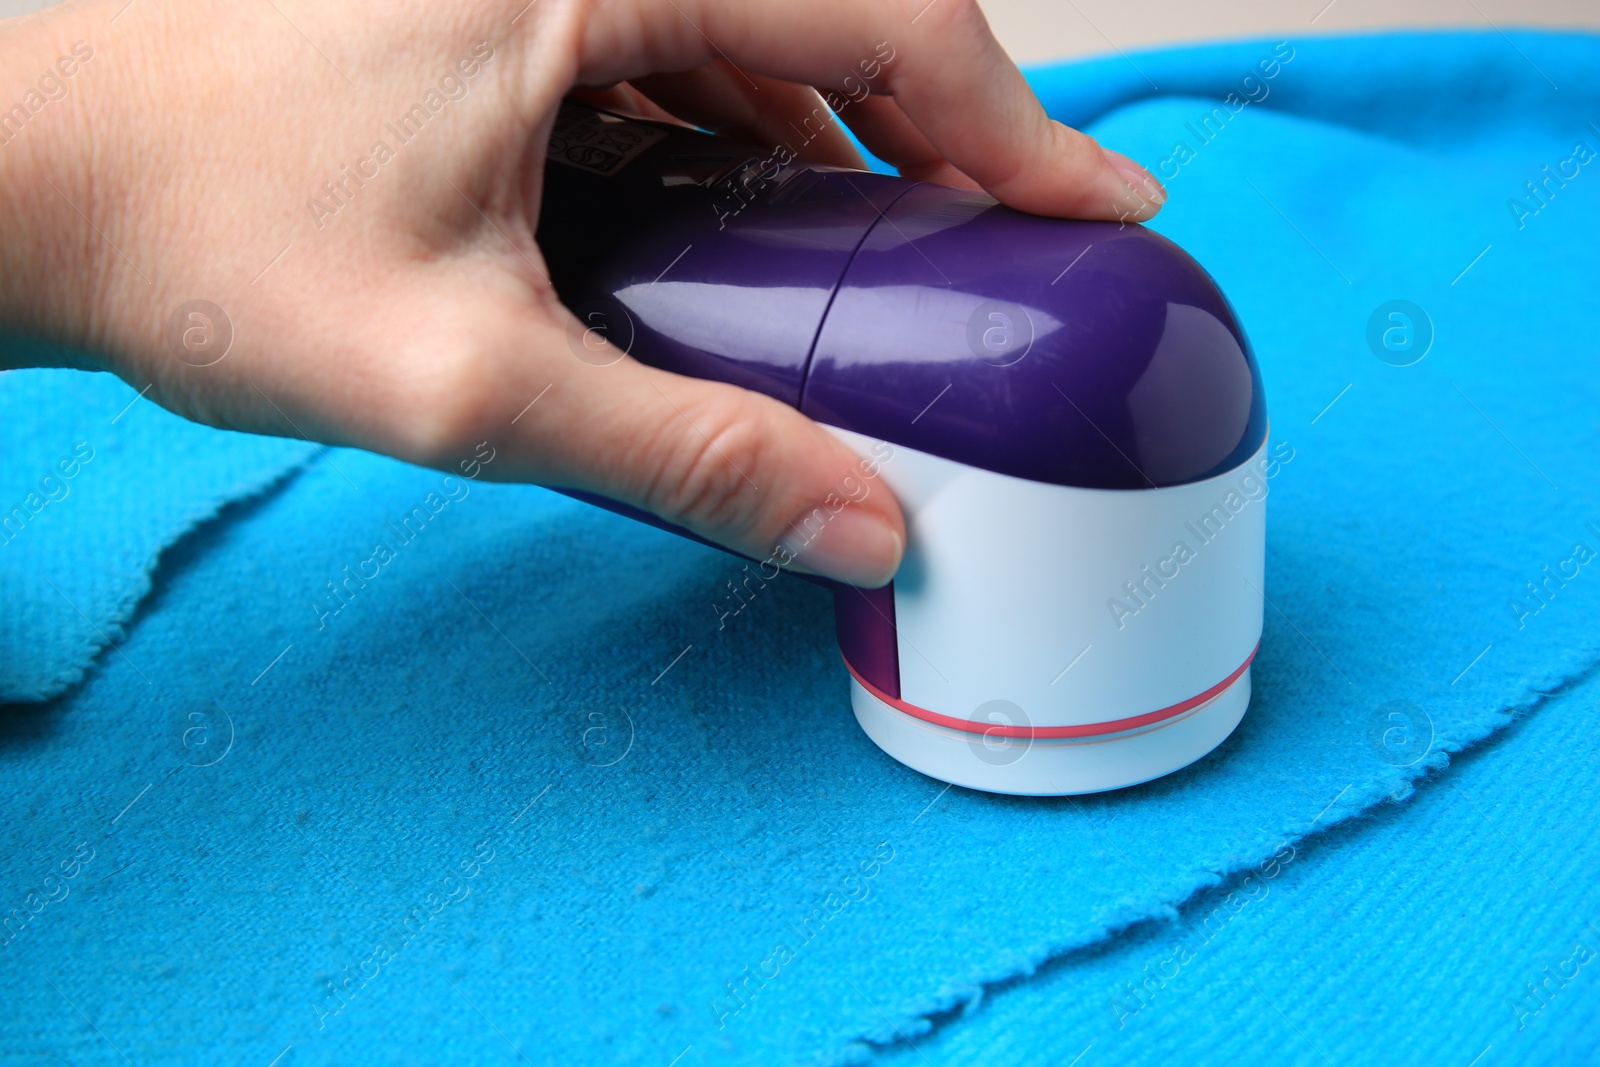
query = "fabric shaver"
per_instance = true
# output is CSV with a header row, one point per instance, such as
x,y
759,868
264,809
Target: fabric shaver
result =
x,y
1068,413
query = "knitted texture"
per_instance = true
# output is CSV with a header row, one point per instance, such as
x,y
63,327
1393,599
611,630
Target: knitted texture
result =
x,y
96,483
1451,929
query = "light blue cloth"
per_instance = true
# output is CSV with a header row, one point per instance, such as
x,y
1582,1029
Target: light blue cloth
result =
x,y
1456,928
519,792
96,482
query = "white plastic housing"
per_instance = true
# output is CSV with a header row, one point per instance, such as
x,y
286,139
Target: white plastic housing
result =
x,y
1032,607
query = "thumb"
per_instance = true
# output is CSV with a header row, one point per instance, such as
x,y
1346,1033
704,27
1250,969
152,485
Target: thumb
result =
x,y
733,466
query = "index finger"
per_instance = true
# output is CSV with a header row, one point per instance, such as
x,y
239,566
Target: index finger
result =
x,y
951,81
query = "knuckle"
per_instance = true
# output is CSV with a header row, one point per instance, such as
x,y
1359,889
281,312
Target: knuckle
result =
x,y
446,405
702,473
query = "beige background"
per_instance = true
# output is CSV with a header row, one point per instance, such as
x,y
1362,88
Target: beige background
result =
x,y
1036,30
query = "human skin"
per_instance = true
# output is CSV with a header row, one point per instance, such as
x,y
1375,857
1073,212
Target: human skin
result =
x,y
417,319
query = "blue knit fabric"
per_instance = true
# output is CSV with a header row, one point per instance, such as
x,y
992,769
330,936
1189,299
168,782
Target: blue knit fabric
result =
x,y
1452,929
395,767
96,482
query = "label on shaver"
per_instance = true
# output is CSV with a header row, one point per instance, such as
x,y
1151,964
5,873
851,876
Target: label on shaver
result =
x,y
597,142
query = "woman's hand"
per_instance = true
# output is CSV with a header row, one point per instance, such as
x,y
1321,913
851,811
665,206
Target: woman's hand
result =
x,y
242,171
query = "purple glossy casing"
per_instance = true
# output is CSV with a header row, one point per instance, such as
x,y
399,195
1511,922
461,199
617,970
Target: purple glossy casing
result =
x,y
1091,354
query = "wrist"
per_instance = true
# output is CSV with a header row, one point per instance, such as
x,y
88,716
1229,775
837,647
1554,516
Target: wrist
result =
x,y
52,265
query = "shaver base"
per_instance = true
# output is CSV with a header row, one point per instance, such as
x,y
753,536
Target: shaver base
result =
x,y
1032,767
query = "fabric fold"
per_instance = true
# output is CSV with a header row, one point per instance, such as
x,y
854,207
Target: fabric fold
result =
x,y
1447,928
96,483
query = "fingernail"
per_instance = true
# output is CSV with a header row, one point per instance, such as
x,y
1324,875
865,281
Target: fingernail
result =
x,y
850,545
1141,181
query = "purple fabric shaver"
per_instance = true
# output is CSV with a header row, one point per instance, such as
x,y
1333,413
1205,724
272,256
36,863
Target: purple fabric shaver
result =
x,y
1068,413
